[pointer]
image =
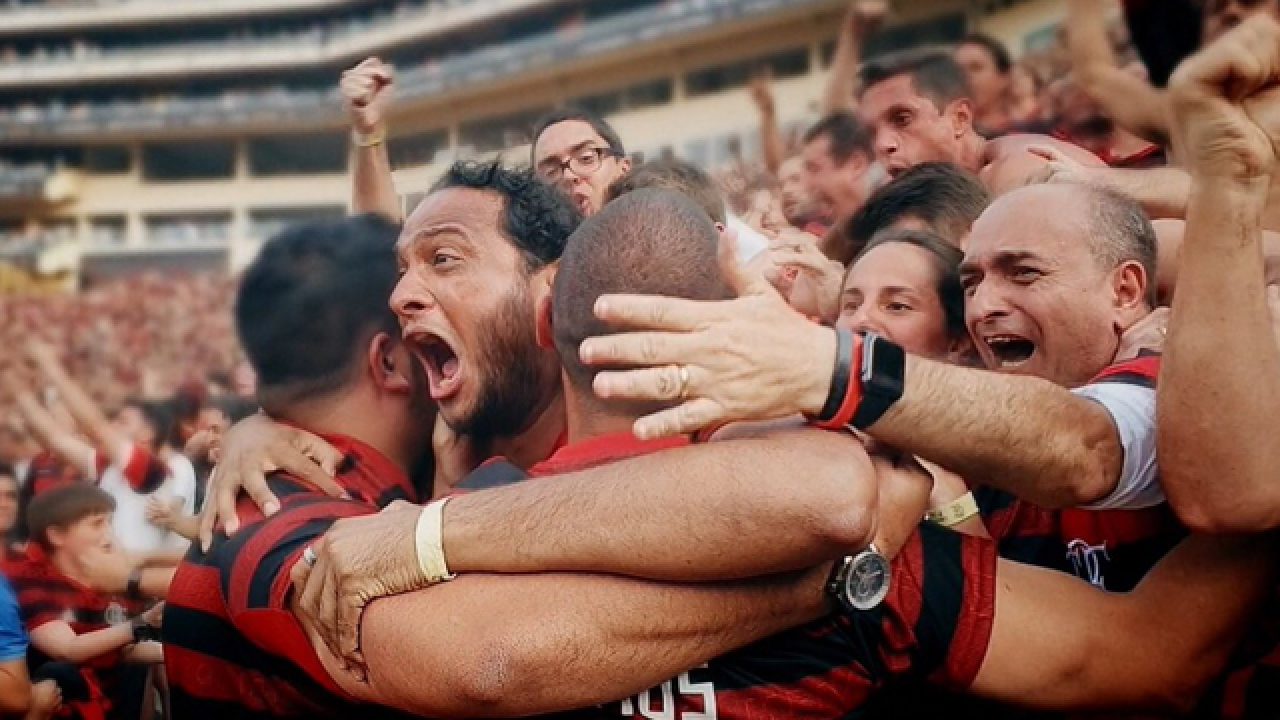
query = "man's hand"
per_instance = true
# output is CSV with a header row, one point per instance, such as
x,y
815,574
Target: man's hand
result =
x,y
46,699
808,279
1058,167
357,561
366,93
107,569
865,17
751,358
160,512
250,450
455,457
1226,104
1148,334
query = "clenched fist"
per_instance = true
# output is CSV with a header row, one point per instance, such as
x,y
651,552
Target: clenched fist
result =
x,y
366,93
1226,103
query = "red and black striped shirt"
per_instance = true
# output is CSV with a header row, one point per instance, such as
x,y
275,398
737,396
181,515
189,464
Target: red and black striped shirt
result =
x,y
935,624
232,646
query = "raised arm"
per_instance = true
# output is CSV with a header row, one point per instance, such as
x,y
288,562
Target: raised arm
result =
x,y
1059,643
771,144
576,640
106,438
1219,467
862,19
45,428
366,92
1132,102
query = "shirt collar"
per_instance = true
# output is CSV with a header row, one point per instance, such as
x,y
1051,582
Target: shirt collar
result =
x,y
601,451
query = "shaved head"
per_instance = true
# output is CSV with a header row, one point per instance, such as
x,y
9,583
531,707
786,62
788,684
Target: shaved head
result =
x,y
649,241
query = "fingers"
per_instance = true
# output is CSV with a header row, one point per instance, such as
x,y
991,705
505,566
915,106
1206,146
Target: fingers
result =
x,y
687,418
1051,154
255,486
302,466
324,454
208,514
642,348
349,608
742,281
650,312
652,384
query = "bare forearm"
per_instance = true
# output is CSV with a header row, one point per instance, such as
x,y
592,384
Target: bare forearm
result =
x,y
1023,435
50,434
1162,192
842,78
1134,103
373,187
1221,353
614,637
771,142
64,645
93,422
723,510
15,688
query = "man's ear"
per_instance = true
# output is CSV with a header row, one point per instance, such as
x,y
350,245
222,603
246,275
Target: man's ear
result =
x,y
545,333
1129,283
388,363
57,536
960,113
624,164
543,285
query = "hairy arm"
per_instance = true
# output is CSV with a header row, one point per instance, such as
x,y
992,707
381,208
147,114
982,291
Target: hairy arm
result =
x,y
1219,467
1023,435
1162,192
613,636
61,643
722,510
1059,643
1131,101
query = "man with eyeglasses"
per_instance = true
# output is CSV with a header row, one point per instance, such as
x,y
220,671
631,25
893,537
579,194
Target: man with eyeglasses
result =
x,y
579,153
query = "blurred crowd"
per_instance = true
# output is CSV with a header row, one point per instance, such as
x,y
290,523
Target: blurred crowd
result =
x,y
898,419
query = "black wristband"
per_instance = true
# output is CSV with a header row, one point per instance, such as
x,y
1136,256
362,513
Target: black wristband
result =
x,y
840,376
134,588
884,367
144,631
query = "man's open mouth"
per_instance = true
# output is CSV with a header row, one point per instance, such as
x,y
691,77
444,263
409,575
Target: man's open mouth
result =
x,y
1010,351
441,363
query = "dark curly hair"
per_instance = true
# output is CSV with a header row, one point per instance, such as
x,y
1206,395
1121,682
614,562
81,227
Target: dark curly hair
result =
x,y
539,218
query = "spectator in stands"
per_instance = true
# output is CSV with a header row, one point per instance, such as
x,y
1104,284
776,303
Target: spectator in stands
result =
x,y
919,108
838,165
68,621
18,696
580,153
989,70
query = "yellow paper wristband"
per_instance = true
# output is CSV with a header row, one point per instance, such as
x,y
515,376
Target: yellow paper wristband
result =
x,y
374,139
954,512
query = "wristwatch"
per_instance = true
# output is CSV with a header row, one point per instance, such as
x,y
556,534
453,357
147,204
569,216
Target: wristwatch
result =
x,y
884,367
860,582
144,631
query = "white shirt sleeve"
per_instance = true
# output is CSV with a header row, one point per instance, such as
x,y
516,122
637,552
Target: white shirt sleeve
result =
x,y
181,484
1133,410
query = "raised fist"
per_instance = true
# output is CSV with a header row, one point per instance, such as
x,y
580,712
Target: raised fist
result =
x,y
866,16
1226,103
762,91
366,93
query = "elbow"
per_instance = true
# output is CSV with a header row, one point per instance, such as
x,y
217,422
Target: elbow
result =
x,y
486,678
840,508
1205,516
1086,465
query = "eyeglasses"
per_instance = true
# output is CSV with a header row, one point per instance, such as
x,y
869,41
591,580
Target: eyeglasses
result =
x,y
584,163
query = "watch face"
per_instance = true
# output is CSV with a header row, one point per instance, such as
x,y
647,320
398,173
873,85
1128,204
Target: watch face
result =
x,y
867,583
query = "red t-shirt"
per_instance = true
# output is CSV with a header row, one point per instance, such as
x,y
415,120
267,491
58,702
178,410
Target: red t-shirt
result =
x,y
935,623
233,648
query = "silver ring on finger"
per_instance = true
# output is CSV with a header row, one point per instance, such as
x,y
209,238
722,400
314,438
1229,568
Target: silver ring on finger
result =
x,y
309,557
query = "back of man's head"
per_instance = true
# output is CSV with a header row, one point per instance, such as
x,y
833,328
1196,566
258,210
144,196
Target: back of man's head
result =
x,y
651,241
310,303
846,135
939,197
933,71
675,175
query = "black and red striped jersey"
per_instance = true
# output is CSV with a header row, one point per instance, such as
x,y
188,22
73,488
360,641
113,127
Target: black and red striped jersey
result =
x,y
935,624
232,646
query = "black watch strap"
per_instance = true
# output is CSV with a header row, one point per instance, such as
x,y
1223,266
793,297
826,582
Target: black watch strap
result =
x,y
884,368
144,632
134,588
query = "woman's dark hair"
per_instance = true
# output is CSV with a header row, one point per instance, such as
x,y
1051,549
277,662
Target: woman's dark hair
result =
x,y
946,270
